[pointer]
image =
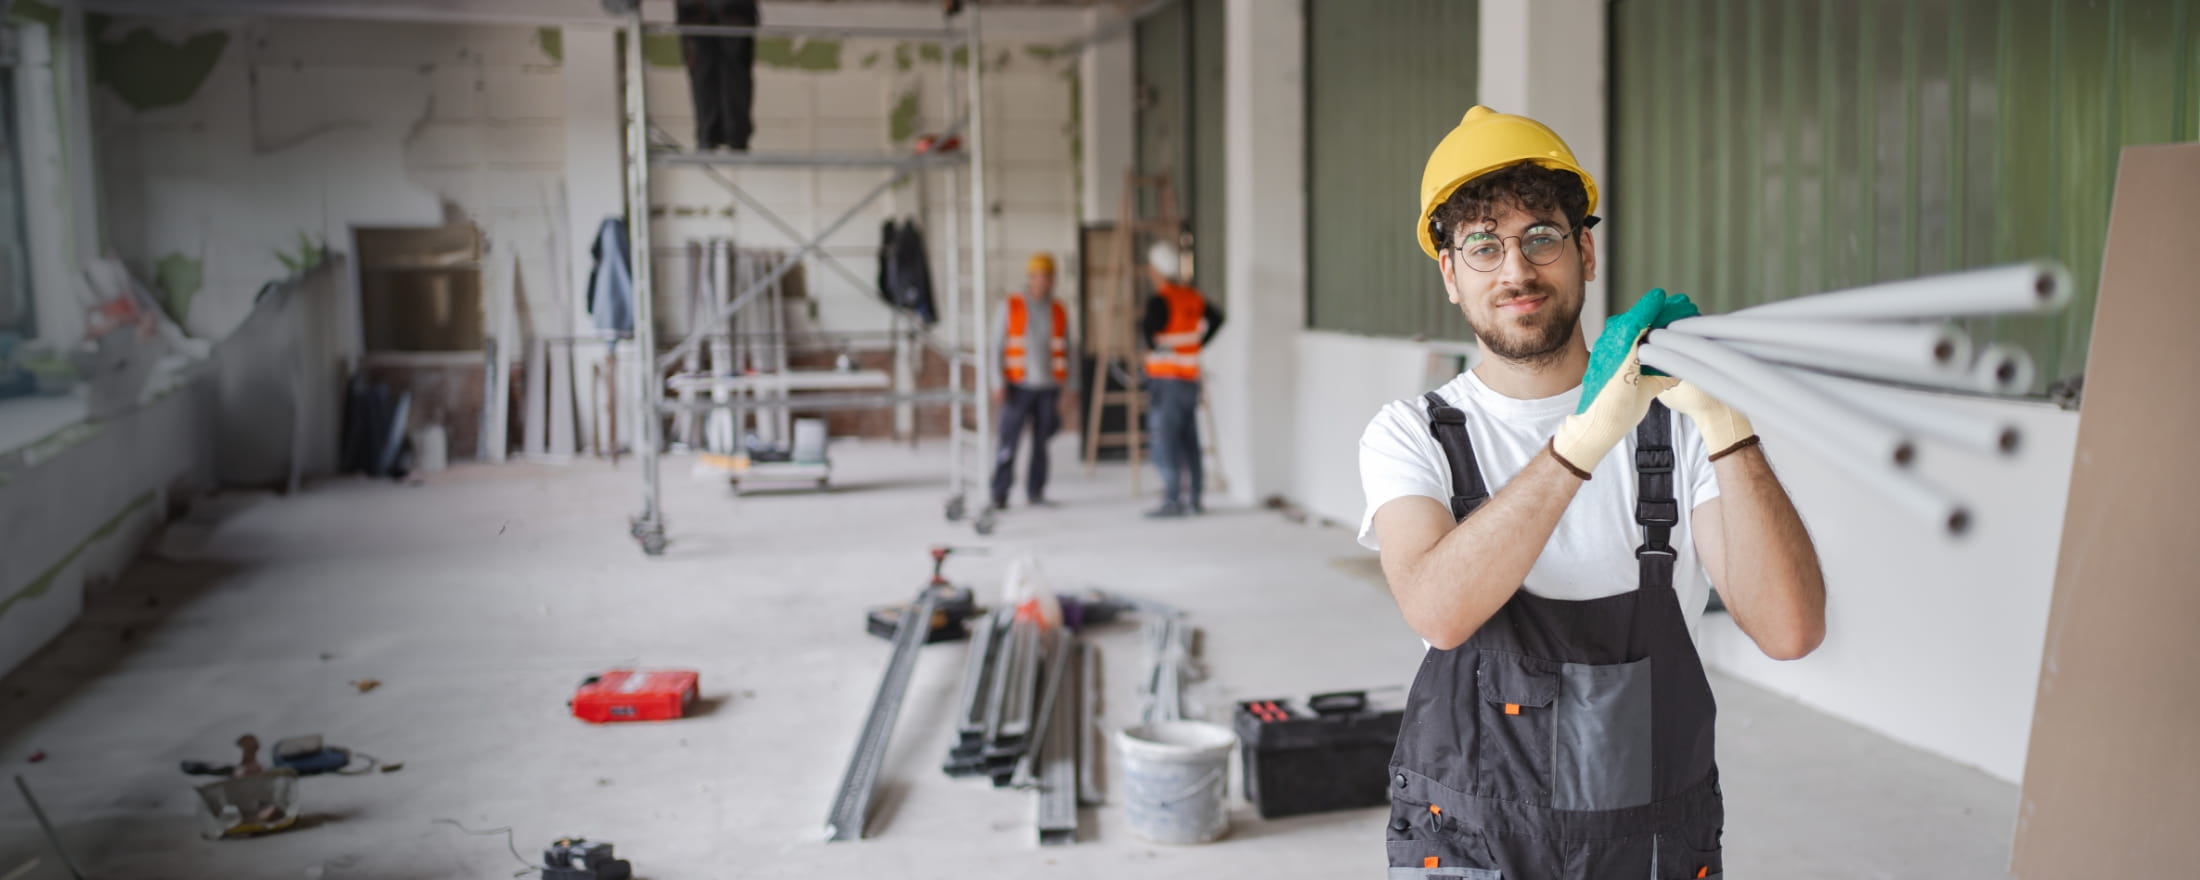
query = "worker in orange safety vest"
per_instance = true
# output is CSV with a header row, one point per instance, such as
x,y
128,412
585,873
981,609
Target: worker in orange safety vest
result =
x,y
1178,323
1033,331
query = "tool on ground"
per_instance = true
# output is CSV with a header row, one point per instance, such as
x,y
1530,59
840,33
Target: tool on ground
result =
x,y
635,695
852,803
1328,753
575,858
45,826
950,617
259,803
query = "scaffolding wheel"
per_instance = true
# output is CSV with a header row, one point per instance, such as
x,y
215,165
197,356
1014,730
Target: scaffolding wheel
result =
x,y
653,543
984,522
955,509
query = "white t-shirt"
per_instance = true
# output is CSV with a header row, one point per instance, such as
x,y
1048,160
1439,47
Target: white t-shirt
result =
x,y
1592,552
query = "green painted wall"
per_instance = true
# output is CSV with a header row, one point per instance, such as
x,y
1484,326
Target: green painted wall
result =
x,y
1772,148
1380,92
1179,64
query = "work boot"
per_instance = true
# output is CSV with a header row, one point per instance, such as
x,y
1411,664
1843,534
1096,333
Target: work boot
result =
x,y
1040,503
1170,510
1198,509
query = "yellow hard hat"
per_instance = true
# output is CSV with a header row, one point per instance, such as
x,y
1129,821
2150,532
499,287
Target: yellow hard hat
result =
x,y
1485,141
1040,262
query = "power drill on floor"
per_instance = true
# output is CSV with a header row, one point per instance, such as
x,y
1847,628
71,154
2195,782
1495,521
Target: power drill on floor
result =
x,y
573,858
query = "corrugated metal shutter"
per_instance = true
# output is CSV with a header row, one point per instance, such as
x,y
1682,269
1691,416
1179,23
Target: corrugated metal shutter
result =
x,y
1773,148
1384,82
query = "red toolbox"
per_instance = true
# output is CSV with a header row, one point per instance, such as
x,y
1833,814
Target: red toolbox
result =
x,y
635,695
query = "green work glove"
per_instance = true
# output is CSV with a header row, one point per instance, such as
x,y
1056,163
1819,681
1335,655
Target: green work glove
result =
x,y
1724,430
1616,392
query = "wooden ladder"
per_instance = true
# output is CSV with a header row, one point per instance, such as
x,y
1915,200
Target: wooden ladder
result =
x,y
1116,348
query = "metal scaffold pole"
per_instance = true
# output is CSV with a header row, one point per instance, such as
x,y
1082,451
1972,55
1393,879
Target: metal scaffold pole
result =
x,y
648,527
988,373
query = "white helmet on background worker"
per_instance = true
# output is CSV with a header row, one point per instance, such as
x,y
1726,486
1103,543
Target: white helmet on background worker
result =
x,y
1164,258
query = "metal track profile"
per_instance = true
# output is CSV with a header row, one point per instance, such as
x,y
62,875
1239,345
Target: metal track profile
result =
x,y
1058,752
1088,725
854,800
1057,663
1016,707
970,698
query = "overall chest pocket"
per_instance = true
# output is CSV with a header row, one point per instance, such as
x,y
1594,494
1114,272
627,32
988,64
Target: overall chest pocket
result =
x,y
1570,735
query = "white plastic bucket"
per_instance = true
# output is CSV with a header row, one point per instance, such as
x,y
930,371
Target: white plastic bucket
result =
x,y
1175,777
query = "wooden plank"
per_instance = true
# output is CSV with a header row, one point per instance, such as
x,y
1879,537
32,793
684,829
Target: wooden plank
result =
x,y
2111,774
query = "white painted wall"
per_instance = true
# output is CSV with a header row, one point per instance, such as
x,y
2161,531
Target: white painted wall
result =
x,y
1933,643
1110,123
1545,59
1252,371
1342,380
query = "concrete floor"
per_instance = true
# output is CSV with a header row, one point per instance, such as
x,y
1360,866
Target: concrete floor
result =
x,y
481,598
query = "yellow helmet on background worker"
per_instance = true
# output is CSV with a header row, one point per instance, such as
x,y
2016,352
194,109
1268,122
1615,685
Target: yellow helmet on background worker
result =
x,y
1040,262
1485,141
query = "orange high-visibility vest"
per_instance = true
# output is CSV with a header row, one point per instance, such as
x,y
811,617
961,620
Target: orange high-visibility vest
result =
x,y
1175,353
1013,354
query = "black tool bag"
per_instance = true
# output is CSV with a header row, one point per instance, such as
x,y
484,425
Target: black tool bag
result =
x,y
1329,753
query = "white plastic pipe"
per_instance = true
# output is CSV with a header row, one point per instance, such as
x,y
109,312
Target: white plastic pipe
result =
x,y
1865,369
1978,433
1919,499
2018,288
2005,369
1926,346
1834,418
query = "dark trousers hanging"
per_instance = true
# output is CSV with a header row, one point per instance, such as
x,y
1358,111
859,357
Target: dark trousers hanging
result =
x,y
721,72
1041,409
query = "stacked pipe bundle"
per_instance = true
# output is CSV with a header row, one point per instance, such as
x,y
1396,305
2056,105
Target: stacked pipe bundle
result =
x,y
1817,369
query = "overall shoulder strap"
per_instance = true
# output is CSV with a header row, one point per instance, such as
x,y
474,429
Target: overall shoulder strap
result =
x,y
1449,424
1655,508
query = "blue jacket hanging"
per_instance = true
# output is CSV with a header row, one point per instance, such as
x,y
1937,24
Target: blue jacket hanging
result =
x,y
611,285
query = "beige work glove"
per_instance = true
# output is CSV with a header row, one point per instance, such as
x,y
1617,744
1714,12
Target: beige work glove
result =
x,y
1587,436
1724,430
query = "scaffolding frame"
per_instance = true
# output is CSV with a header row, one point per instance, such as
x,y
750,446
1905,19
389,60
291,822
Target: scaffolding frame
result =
x,y
648,526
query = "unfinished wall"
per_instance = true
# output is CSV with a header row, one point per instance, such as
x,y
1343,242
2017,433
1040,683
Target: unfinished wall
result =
x,y
234,147
95,494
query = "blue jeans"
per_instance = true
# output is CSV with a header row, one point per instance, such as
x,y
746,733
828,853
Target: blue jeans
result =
x,y
1174,423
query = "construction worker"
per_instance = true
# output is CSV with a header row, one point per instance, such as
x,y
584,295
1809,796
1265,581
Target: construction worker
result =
x,y
1561,724
1177,324
1034,339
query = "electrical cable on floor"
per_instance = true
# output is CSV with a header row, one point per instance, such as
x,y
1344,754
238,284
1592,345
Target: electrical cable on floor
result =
x,y
505,830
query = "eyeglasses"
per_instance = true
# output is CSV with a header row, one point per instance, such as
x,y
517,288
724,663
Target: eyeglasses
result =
x,y
1540,245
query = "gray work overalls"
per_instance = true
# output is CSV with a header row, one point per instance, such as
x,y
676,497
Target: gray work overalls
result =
x,y
1564,739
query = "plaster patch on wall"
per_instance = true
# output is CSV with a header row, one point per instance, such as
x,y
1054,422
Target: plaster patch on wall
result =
x,y
552,43
1043,51
901,123
148,72
178,278
662,50
811,55
870,61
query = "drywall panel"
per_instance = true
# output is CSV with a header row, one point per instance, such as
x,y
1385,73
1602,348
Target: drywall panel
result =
x,y
2110,780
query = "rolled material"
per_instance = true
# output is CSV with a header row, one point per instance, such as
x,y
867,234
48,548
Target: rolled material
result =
x,y
2005,369
1838,420
1924,346
1920,500
2018,288
1830,362
1977,433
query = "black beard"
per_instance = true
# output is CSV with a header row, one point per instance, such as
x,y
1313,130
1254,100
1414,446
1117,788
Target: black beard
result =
x,y
1547,340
